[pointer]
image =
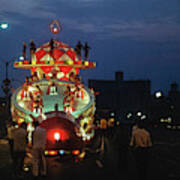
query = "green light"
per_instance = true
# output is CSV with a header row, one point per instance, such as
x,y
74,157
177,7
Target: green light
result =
x,y
46,153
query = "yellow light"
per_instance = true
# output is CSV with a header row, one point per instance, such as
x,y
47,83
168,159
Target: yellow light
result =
x,y
161,120
52,152
46,153
26,169
82,155
20,120
86,63
33,62
70,62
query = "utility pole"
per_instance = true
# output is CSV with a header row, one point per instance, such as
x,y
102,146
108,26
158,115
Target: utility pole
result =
x,y
5,116
6,85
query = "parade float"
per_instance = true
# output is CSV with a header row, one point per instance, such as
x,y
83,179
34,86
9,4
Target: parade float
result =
x,y
54,95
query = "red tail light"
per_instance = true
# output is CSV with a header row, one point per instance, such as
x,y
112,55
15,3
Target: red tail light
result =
x,y
52,153
76,152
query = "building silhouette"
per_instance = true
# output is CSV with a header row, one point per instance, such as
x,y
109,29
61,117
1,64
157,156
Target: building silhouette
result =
x,y
121,96
174,102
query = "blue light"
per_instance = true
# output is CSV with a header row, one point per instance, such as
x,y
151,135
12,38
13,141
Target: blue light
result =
x,y
61,152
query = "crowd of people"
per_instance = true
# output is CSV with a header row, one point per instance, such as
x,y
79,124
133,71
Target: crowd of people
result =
x,y
136,140
128,140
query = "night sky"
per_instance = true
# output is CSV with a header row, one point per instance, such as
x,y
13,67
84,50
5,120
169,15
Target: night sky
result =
x,y
140,38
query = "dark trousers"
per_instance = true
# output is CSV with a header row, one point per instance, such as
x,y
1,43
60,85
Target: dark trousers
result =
x,y
11,145
18,161
122,158
141,156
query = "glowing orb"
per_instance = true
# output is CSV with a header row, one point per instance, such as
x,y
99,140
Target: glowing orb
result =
x,y
4,25
57,136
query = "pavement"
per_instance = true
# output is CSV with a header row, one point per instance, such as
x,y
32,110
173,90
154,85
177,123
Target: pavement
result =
x,y
164,161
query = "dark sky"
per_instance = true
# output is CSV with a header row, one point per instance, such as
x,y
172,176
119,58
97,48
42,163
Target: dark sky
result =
x,y
140,38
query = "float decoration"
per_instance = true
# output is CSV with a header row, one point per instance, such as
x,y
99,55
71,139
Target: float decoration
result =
x,y
54,85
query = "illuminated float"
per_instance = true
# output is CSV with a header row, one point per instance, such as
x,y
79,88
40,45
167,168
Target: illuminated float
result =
x,y
54,94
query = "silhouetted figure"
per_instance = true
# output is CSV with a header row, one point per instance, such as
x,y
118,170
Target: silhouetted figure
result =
x,y
38,147
56,107
72,76
35,77
24,50
86,51
32,48
44,76
121,139
141,143
20,144
51,43
11,128
78,49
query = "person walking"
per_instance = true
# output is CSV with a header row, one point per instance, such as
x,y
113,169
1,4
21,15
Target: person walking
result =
x,y
140,143
10,129
20,140
38,147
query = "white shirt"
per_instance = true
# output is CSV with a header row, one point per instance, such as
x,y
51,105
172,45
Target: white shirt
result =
x,y
39,138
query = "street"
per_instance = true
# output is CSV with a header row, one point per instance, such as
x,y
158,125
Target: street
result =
x,y
164,161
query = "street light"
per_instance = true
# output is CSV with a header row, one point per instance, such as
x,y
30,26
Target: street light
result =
x,y
158,94
4,25
139,113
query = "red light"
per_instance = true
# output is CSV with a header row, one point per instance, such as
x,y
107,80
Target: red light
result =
x,y
76,152
57,134
52,153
